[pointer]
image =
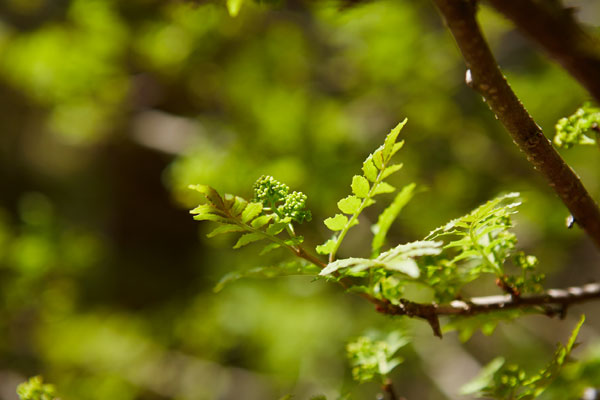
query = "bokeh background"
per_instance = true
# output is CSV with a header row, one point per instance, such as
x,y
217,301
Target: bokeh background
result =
x,y
110,109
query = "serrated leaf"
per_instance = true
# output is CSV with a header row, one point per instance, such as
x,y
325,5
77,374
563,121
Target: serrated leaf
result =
x,y
369,169
378,158
211,194
407,266
349,205
211,217
261,221
390,140
327,247
362,263
397,147
276,228
239,204
226,228
387,217
248,238
269,247
337,222
413,249
251,211
383,187
360,186
390,169
204,209
234,6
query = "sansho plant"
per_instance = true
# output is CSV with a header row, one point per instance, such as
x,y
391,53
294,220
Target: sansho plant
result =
x,y
466,249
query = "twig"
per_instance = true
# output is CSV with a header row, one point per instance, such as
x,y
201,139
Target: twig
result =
x,y
551,303
388,388
484,76
555,29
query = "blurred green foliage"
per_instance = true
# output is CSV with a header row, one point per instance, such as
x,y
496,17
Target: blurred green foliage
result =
x,y
109,110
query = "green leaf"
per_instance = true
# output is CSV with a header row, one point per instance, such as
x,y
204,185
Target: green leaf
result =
x,y
239,205
360,186
251,211
387,217
337,222
269,247
211,217
383,187
248,238
390,169
407,266
204,209
413,249
397,147
390,140
226,228
327,247
211,194
369,169
362,263
261,221
378,158
277,227
349,205
234,6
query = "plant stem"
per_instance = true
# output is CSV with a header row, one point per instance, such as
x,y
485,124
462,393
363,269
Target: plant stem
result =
x,y
388,388
363,205
551,303
484,76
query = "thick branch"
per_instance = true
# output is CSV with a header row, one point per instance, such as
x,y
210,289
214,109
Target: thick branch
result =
x,y
551,302
485,77
555,29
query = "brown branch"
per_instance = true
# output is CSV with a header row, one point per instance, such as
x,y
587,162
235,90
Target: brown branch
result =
x,y
551,303
555,29
388,388
484,76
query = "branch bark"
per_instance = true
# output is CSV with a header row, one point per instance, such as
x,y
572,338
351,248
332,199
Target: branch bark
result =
x,y
552,302
555,29
484,76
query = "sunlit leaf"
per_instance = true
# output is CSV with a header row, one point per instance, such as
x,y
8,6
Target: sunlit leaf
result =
x,y
360,186
337,222
349,205
251,211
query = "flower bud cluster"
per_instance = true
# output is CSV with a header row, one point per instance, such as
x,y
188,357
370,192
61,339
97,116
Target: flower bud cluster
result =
x,y
295,207
268,190
274,194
